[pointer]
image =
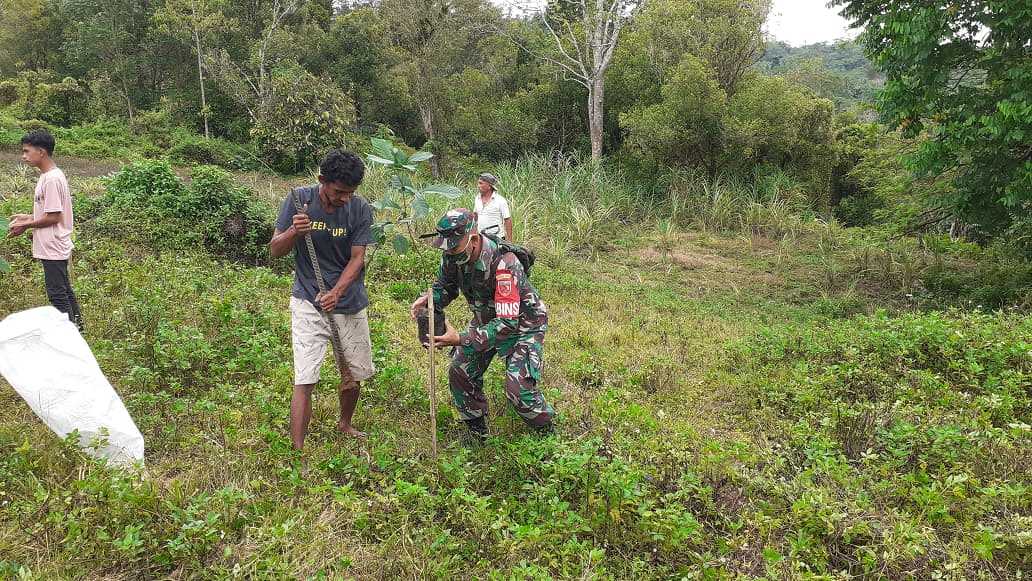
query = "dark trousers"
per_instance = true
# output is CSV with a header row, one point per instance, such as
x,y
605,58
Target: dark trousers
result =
x,y
59,289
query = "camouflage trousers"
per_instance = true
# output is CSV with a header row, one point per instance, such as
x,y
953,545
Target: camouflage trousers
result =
x,y
522,355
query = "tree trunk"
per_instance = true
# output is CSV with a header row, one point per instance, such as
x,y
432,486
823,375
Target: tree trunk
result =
x,y
128,100
596,94
427,115
200,76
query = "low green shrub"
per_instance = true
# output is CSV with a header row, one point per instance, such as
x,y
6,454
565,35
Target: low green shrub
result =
x,y
997,280
146,201
189,148
10,132
40,95
104,138
153,136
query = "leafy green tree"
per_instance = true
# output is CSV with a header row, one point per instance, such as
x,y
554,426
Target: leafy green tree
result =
x,y
30,36
433,38
871,183
776,122
584,38
687,127
767,121
355,55
838,70
496,101
247,75
488,122
724,36
959,73
813,74
251,39
853,202
303,117
110,38
38,95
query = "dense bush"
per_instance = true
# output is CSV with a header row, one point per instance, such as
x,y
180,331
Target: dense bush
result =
x,y
153,136
998,278
39,95
104,138
767,121
149,203
10,132
187,147
855,203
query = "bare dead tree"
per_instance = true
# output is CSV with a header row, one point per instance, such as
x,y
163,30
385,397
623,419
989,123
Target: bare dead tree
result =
x,y
249,83
584,36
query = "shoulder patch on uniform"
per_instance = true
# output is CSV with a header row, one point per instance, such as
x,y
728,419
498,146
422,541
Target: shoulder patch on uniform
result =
x,y
507,295
509,261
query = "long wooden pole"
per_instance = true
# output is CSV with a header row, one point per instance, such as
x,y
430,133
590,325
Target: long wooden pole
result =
x,y
433,374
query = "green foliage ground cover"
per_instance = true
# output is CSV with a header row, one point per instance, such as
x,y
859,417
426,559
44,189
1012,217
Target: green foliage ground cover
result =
x,y
153,137
755,405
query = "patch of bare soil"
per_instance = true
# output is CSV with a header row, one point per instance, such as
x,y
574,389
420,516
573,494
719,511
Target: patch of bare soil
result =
x,y
708,269
687,258
72,166
269,186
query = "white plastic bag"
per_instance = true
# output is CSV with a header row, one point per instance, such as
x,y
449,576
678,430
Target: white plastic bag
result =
x,y
49,364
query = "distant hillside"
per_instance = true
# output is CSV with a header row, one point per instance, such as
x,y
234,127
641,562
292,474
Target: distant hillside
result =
x,y
838,71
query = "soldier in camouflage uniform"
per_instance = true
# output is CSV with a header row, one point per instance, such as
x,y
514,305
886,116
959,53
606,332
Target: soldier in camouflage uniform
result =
x,y
509,319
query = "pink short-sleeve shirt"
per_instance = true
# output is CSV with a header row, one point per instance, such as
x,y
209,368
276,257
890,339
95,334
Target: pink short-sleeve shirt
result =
x,y
53,195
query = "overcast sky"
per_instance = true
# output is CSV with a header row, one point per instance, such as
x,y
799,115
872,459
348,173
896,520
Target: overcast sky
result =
x,y
800,22
796,22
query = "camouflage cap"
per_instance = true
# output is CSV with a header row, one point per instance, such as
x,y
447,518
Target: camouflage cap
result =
x,y
452,227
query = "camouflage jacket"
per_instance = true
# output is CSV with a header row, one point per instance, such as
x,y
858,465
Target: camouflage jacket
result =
x,y
503,301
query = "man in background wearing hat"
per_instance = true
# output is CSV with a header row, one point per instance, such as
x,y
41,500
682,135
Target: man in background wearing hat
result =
x,y
509,319
490,209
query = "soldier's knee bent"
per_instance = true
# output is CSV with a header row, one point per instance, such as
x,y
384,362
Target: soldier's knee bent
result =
x,y
457,373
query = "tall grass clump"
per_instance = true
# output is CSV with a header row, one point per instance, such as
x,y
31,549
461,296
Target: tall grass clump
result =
x,y
562,204
770,203
931,271
571,204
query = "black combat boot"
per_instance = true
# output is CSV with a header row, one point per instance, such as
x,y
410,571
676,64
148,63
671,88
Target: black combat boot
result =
x,y
545,430
477,430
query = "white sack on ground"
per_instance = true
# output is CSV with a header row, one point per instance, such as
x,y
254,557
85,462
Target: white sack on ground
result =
x,y
49,364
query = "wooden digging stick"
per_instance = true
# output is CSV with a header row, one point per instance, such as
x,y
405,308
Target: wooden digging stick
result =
x,y
433,374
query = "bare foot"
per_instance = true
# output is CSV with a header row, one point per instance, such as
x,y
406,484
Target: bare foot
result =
x,y
350,430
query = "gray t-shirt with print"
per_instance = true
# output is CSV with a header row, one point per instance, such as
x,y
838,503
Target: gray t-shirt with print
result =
x,y
334,232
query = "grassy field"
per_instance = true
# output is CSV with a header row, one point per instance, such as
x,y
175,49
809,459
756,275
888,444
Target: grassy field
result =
x,y
756,397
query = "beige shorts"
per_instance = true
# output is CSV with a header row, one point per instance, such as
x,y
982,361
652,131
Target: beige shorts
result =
x,y
311,336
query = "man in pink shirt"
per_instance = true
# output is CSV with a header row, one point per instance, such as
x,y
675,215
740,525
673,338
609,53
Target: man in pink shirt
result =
x,y
51,222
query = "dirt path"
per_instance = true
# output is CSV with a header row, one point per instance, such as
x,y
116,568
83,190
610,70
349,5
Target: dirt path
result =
x,y
72,166
77,167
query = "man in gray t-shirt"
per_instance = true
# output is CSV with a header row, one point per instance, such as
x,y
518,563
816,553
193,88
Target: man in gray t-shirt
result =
x,y
339,223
